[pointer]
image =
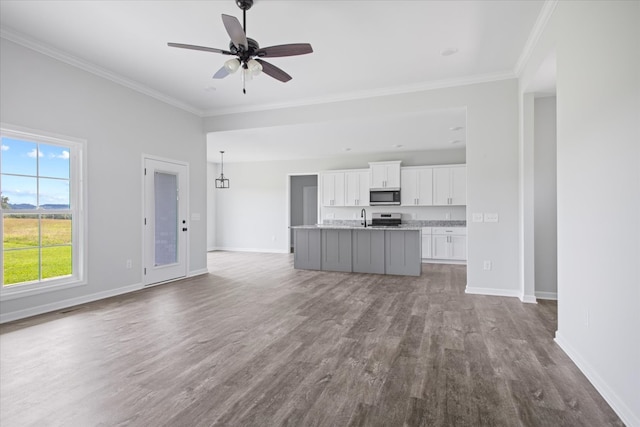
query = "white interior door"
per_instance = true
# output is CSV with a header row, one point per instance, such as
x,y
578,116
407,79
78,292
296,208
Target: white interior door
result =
x,y
165,219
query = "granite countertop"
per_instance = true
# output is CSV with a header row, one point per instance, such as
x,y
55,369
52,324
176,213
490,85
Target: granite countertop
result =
x,y
356,227
411,224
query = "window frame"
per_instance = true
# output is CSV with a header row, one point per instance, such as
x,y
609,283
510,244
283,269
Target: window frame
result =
x,y
77,207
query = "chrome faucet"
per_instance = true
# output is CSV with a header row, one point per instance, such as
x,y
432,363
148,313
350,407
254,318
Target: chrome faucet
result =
x,y
363,215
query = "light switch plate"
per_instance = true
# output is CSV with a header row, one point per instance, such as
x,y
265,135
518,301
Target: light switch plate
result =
x,y
476,217
490,217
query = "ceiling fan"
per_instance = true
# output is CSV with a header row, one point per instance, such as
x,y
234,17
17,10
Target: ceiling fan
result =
x,y
248,53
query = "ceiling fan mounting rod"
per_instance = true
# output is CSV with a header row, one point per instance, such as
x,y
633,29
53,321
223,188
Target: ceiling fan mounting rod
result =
x,y
244,5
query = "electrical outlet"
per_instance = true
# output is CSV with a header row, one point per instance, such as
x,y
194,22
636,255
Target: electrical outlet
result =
x,y
490,217
273,238
447,215
486,265
477,217
128,265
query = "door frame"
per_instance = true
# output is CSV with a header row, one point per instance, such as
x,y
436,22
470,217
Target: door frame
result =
x,y
143,212
289,241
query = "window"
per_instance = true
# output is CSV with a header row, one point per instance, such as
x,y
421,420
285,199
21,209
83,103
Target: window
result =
x,y
43,245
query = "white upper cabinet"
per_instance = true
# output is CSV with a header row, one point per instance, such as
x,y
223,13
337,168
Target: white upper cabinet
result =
x,y
450,185
333,188
385,174
417,186
357,187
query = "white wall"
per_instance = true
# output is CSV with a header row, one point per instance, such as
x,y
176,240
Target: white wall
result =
x,y
41,93
491,157
545,194
598,191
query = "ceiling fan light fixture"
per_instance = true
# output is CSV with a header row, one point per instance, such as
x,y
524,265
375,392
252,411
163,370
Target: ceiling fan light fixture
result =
x,y
232,65
246,50
254,66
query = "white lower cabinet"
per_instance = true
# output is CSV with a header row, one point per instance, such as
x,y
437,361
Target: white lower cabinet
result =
x,y
449,243
426,243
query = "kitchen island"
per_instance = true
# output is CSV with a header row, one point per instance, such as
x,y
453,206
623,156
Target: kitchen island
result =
x,y
380,250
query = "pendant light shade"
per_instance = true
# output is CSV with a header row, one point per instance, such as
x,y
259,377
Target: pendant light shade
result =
x,y
222,182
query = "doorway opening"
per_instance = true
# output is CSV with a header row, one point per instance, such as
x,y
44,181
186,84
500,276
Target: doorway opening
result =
x,y
303,202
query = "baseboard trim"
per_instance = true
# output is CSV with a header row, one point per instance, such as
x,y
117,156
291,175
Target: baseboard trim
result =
x,y
443,261
492,292
200,272
547,295
624,412
528,299
257,250
59,305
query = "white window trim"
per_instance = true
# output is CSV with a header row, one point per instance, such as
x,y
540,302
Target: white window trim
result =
x,y
78,200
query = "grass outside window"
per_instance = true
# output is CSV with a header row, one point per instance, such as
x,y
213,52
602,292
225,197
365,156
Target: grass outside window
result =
x,y
36,247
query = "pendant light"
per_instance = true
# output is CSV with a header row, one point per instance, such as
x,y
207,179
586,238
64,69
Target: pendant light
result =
x,y
222,182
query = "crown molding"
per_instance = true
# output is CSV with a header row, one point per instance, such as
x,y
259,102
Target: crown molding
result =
x,y
538,28
365,94
24,41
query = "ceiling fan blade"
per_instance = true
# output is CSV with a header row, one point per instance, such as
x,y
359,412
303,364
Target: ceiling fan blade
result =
x,y
273,71
285,50
233,27
221,73
203,48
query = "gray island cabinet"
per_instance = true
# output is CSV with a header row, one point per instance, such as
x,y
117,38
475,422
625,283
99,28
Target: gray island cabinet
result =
x,y
358,249
368,251
307,254
336,250
403,253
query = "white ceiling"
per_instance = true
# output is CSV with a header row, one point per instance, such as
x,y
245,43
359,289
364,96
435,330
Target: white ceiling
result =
x,y
442,129
361,48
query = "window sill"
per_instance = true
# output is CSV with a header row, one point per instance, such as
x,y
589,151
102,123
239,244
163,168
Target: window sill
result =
x,y
23,291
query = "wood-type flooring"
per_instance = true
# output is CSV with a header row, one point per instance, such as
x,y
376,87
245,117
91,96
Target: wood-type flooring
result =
x,y
257,343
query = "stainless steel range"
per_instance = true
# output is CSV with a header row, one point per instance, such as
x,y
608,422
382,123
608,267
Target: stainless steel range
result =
x,y
386,219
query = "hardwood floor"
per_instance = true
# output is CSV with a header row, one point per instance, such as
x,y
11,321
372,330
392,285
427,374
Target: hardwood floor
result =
x,y
257,343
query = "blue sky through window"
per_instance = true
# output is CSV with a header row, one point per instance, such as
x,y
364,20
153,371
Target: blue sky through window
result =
x,y
21,162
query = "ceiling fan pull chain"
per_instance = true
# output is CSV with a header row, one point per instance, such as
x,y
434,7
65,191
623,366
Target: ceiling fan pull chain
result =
x,y
244,78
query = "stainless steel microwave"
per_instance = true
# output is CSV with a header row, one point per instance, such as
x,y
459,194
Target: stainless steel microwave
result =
x,y
384,196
